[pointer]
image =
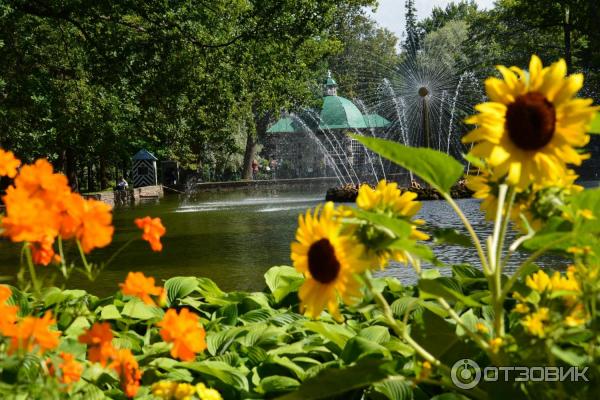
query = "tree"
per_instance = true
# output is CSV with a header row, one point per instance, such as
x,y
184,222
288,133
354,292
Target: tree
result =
x,y
412,44
88,84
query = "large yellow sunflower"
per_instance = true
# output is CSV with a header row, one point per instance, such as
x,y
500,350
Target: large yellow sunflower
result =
x,y
529,130
329,259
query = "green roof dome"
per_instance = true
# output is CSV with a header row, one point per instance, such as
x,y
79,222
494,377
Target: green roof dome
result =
x,y
340,113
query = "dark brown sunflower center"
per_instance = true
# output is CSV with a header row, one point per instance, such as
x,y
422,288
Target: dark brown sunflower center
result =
x,y
322,264
531,121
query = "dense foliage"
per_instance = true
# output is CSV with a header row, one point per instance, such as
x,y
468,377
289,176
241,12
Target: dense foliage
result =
x,y
88,85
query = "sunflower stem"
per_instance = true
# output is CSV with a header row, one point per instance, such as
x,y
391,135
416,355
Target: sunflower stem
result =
x,y
472,233
504,228
473,335
399,330
493,249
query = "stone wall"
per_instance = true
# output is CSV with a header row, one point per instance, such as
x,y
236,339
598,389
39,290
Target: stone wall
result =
x,y
116,198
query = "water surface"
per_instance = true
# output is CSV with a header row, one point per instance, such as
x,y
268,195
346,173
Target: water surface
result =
x,y
233,238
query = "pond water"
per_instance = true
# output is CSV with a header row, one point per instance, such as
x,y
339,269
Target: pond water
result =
x,y
233,238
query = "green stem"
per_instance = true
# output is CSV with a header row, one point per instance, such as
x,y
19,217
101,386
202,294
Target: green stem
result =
x,y
504,228
401,331
32,273
534,256
476,338
118,251
86,265
493,243
469,227
63,264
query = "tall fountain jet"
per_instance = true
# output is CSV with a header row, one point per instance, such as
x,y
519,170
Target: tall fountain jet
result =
x,y
424,94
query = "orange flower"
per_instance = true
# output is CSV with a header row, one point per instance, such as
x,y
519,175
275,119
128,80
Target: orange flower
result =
x,y
99,340
138,285
153,230
71,369
8,313
31,332
43,252
128,370
185,332
40,206
88,220
34,205
28,218
8,164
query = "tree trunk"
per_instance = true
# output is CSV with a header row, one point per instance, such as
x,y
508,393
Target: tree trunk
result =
x,y
90,177
567,31
249,155
71,169
102,174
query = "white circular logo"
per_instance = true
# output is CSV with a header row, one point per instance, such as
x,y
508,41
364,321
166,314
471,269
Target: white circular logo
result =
x,y
465,374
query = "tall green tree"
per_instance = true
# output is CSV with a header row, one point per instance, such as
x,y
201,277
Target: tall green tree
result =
x,y
412,43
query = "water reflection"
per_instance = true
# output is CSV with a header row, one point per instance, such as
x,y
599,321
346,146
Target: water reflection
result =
x,y
233,238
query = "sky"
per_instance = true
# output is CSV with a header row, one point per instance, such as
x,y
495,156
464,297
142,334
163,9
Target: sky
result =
x,y
390,13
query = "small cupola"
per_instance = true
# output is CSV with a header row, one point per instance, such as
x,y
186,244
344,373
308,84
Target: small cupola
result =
x,y
330,85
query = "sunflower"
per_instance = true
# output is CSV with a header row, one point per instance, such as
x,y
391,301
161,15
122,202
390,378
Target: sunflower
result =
x,y
386,198
537,203
329,258
530,128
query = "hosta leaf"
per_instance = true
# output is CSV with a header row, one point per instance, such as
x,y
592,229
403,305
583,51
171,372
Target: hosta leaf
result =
x,y
220,341
359,347
378,334
333,382
180,287
277,384
137,309
283,281
217,369
333,332
396,388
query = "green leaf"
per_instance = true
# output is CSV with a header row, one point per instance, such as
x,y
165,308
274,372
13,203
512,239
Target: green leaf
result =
x,y
376,333
220,341
217,369
77,327
436,168
333,332
137,309
277,384
537,242
419,250
588,200
110,312
466,274
180,287
331,382
570,356
359,347
283,281
438,336
399,227
447,289
396,388
595,125
451,236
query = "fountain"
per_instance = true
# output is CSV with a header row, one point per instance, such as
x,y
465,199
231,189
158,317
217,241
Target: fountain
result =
x,y
417,105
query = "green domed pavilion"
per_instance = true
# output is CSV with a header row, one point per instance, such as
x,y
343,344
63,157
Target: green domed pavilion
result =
x,y
337,113
314,142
